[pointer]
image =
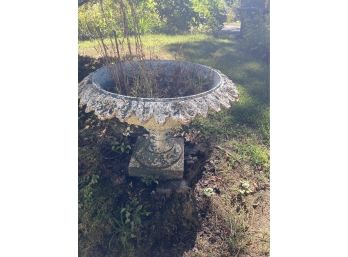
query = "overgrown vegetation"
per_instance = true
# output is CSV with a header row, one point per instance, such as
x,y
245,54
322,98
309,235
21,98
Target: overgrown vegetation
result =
x,y
226,211
155,16
115,26
118,21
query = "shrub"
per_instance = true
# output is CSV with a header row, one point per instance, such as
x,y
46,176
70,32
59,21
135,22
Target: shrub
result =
x,y
168,16
177,15
90,16
210,14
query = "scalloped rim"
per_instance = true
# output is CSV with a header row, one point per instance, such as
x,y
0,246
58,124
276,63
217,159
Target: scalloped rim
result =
x,y
107,105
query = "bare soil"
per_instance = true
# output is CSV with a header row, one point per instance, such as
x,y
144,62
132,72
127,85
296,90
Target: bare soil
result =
x,y
208,215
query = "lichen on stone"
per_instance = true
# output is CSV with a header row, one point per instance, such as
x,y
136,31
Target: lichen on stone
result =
x,y
108,105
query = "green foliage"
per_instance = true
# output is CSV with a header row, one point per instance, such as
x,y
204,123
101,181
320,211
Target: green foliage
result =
x,y
242,118
156,41
197,15
110,218
149,19
257,155
177,15
89,188
251,112
168,16
210,14
233,13
91,18
128,223
245,123
121,147
95,218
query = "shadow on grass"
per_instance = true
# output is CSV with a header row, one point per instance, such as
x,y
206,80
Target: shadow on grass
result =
x,y
165,225
250,73
122,216
227,55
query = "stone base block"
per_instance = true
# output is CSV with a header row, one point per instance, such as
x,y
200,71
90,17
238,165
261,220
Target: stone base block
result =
x,y
174,171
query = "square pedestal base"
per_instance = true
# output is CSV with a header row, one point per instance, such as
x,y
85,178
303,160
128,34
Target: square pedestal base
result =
x,y
175,171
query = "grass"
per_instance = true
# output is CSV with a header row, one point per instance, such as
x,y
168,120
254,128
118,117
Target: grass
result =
x,y
222,53
240,139
156,40
151,43
251,75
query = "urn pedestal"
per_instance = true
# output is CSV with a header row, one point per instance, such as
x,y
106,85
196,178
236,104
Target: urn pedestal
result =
x,y
163,165
159,154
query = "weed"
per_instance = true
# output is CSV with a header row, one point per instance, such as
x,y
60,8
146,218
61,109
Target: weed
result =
x,y
120,49
245,188
252,153
96,201
128,224
244,131
88,190
259,157
238,238
121,147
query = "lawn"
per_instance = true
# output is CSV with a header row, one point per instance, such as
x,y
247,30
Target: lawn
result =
x,y
226,212
151,43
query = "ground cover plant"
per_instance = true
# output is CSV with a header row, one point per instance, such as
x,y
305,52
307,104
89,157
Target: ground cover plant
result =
x,y
225,209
